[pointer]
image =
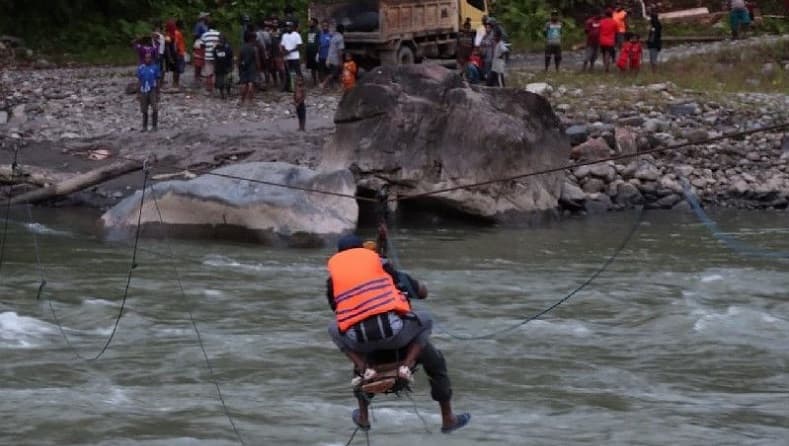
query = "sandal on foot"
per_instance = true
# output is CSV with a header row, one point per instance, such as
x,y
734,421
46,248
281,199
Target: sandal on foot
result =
x,y
460,421
355,418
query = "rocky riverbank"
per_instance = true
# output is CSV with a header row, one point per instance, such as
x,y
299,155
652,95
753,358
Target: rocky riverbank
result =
x,y
66,115
747,172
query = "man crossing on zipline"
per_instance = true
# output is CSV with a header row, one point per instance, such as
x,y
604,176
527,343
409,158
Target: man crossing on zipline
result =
x,y
371,303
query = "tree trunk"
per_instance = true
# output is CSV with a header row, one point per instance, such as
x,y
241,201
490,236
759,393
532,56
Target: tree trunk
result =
x,y
27,174
78,182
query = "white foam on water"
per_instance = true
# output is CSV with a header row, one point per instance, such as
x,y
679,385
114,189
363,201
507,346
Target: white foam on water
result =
x,y
21,331
101,302
227,262
38,228
711,278
736,319
562,327
213,293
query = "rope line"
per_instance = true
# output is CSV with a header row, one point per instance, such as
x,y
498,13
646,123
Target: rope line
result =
x,y
8,209
416,411
177,273
588,163
172,168
353,435
730,242
568,296
132,267
39,267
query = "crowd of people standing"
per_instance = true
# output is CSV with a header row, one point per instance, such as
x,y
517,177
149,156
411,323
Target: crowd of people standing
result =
x,y
270,57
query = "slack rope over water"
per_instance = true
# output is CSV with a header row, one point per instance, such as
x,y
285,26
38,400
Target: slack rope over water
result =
x,y
186,301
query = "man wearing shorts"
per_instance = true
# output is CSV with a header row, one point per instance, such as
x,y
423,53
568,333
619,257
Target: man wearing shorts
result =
x,y
592,30
248,64
334,59
553,41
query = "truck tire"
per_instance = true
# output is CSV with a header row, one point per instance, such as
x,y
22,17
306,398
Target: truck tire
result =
x,y
405,55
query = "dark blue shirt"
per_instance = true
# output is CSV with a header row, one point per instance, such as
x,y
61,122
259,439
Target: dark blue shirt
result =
x,y
148,75
324,41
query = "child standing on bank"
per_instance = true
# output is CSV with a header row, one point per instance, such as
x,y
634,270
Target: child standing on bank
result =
x,y
349,70
299,98
630,54
148,90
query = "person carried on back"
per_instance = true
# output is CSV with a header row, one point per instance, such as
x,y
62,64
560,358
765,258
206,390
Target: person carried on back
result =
x,y
373,314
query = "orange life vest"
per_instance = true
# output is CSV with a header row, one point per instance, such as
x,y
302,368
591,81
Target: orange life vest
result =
x,y
362,288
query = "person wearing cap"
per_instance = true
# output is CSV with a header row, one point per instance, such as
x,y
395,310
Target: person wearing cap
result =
x,y
246,26
372,307
201,26
553,41
291,44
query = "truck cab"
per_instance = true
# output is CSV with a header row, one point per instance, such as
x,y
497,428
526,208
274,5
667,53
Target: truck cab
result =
x,y
400,31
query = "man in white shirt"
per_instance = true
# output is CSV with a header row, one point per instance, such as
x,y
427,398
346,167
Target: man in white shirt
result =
x,y
481,31
210,40
291,44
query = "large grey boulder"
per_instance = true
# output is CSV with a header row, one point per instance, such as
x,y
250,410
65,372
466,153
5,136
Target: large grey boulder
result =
x,y
215,206
421,128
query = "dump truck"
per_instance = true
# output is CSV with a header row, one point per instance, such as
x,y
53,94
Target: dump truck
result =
x,y
400,31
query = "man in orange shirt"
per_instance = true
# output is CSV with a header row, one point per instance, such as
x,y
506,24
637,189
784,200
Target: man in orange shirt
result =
x,y
608,30
620,17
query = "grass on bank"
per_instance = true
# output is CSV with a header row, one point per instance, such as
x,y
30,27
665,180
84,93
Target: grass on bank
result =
x,y
728,71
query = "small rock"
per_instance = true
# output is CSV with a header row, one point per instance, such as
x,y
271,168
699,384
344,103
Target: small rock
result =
x,y
603,171
682,206
753,156
577,134
653,125
582,172
540,88
593,185
626,141
698,182
563,107
739,186
572,196
628,195
632,121
597,203
695,135
668,201
657,87
647,172
684,109
3,117
18,115
593,149
69,135
768,69
684,170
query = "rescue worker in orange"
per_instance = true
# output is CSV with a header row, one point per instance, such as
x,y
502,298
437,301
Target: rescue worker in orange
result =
x,y
372,308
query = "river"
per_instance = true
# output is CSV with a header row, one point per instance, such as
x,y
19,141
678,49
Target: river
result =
x,y
679,342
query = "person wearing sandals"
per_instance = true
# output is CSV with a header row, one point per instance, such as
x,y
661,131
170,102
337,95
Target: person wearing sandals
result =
x,y
372,315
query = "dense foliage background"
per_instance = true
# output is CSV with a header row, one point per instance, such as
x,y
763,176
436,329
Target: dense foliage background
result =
x,y
82,25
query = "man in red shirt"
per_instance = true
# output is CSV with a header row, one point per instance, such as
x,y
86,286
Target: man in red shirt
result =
x,y
592,30
608,29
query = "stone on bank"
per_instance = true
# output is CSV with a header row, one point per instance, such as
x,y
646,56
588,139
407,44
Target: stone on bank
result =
x,y
214,206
